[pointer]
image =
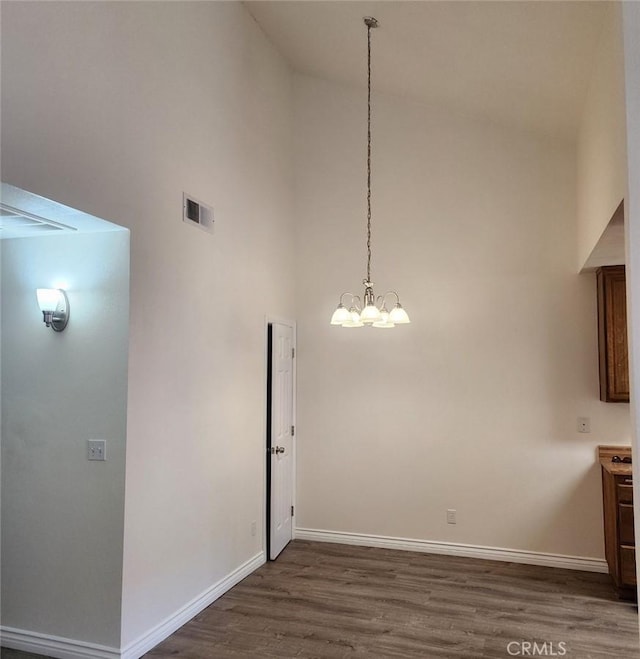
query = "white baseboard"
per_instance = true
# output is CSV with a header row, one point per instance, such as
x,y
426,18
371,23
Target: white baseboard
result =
x,y
54,646
164,629
65,648
455,549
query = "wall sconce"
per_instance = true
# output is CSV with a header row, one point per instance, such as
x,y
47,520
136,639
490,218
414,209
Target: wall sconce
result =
x,y
54,304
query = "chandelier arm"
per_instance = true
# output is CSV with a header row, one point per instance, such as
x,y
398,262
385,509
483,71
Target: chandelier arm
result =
x,y
384,297
347,293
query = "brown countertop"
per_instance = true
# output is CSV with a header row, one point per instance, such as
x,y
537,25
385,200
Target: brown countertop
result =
x,y
616,468
605,453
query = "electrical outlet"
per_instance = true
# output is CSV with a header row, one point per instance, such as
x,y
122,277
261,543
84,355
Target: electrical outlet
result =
x,y
451,516
96,449
253,528
584,424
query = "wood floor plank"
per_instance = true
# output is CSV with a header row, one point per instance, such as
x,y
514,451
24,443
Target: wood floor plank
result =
x,y
337,601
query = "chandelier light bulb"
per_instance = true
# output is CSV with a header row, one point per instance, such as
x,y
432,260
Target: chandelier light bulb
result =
x,y
398,315
370,314
354,319
384,322
340,315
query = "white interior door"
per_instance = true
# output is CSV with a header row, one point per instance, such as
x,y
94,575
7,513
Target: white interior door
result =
x,y
281,449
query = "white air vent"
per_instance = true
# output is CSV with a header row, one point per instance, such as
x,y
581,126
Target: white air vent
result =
x,y
196,213
16,223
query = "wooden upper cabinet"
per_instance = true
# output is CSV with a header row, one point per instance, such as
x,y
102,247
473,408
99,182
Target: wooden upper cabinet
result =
x,y
612,334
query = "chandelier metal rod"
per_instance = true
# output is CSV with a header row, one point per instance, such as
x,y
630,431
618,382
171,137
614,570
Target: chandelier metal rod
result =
x,y
370,23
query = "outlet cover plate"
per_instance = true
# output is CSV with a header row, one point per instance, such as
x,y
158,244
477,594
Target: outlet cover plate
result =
x,y
584,424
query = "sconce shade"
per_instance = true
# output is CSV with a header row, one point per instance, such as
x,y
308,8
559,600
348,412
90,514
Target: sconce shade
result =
x,y
48,298
54,305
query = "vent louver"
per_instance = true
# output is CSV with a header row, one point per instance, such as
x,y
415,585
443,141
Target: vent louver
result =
x,y
16,223
196,213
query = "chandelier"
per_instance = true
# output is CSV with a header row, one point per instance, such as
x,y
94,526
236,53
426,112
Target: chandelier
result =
x,y
369,310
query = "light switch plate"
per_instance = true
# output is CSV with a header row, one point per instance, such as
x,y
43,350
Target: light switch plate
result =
x,y
96,449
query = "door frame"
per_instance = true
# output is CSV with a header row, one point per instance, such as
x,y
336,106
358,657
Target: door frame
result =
x,y
269,320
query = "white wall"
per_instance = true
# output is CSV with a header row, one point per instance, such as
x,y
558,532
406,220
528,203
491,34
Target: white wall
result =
x,y
116,108
602,166
63,516
473,406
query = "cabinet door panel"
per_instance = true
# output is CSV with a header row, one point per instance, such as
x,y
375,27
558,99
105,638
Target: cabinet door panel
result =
x,y
625,492
628,566
612,334
625,530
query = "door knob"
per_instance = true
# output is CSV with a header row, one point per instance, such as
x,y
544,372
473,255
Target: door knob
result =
x,y
279,449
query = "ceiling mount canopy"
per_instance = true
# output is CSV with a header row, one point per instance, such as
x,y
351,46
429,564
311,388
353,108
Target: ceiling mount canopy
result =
x,y
369,310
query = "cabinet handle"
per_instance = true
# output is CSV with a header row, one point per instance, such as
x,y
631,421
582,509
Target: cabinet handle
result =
x,y
628,481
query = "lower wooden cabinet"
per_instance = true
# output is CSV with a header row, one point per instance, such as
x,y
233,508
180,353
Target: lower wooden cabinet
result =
x,y
619,539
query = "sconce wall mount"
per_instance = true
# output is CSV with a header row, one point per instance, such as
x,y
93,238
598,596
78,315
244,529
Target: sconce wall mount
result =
x,y
54,304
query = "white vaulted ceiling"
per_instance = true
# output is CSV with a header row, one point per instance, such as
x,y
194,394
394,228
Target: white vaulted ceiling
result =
x,y
525,64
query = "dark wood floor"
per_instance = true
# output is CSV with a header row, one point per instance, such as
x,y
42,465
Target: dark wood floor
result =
x,y
325,600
